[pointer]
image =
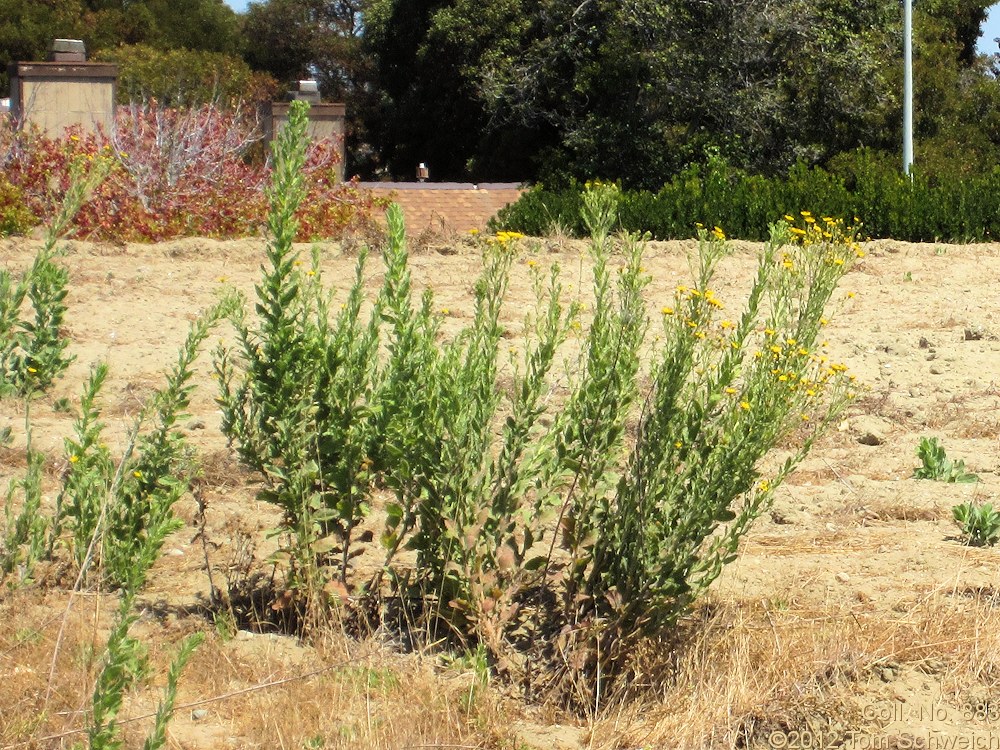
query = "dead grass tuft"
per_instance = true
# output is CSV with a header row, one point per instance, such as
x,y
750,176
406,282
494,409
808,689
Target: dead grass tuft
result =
x,y
747,670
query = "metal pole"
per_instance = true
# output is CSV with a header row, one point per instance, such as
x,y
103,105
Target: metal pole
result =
x,y
907,85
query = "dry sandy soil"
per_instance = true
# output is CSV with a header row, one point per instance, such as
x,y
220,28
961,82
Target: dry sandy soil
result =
x,y
854,617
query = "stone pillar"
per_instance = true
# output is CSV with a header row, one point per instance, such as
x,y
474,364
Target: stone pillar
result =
x,y
326,121
64,91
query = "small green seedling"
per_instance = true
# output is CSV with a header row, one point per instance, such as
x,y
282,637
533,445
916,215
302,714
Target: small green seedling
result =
x,y
936,465
979,523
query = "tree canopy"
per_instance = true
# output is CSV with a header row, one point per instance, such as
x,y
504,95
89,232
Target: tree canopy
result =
x,y
634,91
558,89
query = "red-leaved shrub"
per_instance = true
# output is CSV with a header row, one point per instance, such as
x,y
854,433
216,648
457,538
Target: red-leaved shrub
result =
x,y
174,173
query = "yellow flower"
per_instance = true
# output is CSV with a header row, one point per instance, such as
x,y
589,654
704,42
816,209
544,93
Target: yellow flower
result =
x,y
473,231
745,405
730,390
719,234
74,459
137,474
764,485
667,310
678,444
444,311
532,263
725,324
789,217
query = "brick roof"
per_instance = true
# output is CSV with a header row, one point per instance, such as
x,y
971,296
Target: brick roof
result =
x,y
447,207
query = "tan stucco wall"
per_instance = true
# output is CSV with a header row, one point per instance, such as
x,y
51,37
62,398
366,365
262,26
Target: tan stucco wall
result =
x,y
56,105
326,122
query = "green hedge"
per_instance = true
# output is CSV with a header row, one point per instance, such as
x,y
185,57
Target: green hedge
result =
x,y
922,209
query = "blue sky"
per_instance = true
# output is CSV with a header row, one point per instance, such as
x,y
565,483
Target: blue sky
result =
x,y
991,29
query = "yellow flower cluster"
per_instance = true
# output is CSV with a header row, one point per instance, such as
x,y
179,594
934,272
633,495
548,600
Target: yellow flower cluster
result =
x,y
827,230
503,239
716,233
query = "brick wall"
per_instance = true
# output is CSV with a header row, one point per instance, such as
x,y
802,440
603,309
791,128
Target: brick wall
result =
x,y
446,206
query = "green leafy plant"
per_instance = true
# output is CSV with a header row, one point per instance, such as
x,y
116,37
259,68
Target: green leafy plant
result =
x,y
32,351
555,533
295,392
109,512
980,523
920,208
463,481
23,540
935,464
118,514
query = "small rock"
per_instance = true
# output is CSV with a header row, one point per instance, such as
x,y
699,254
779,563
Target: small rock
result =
x,y
198,714
887,674
936,370
870,430
779,518
924,343
843,577
196,424
175,552
973,334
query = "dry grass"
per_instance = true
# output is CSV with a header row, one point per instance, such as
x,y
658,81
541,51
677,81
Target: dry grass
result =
x,y
248,691
741,670
748,670
782,644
